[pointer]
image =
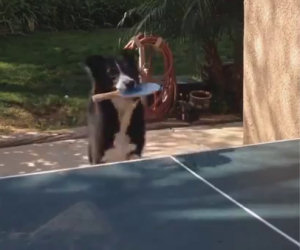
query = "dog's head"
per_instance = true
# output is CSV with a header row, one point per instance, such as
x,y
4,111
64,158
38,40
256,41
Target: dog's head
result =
x,y
108,74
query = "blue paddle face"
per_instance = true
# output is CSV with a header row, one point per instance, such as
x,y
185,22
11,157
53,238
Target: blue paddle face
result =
x,y
142,89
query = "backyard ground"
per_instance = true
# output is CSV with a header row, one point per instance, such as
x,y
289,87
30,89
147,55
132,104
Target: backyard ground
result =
x,y
44,88
64,154
42,85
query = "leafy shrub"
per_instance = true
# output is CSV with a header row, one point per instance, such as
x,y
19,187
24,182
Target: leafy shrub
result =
x,y
29,15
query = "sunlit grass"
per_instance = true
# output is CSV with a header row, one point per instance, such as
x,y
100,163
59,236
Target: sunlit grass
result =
x,y
42,85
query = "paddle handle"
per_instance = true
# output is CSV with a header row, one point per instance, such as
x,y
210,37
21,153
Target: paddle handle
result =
x,y
106,96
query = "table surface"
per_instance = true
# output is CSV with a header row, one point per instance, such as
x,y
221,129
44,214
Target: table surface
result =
x,y
229,199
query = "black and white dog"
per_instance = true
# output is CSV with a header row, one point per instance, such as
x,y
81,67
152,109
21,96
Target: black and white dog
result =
x,y
116,127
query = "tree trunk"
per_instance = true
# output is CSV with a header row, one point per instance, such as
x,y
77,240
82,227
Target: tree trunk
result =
x,y
215,67
226,80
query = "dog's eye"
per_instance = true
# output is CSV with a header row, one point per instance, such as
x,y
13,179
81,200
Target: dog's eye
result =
x,y
112,72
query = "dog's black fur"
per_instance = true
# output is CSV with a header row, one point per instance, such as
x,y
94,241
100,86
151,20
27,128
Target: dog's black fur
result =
x,y
104,118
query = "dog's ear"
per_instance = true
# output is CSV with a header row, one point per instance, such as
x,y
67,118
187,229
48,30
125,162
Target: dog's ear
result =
x,y
94,61
95,66
131,56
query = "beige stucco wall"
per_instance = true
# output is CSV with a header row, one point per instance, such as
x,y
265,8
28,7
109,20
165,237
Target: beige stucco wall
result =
x,y
271,70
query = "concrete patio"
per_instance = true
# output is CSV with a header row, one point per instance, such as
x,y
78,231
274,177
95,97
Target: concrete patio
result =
x,y
72,153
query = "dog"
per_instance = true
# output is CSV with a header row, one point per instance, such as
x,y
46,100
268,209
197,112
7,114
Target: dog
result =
x,y
116,127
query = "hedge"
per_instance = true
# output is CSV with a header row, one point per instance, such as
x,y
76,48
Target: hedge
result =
x,y
30,15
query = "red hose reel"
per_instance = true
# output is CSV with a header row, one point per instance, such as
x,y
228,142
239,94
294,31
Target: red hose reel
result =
x,y
162,101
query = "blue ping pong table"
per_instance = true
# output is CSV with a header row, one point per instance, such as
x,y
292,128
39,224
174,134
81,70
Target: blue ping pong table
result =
x,y
230,199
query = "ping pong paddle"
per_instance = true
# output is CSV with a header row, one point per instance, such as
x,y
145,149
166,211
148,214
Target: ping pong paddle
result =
x,y
143,89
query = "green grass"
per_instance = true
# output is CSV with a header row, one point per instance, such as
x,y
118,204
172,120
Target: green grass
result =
x,y
41,77
42,85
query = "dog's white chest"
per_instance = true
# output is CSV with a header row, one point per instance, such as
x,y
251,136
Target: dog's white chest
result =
x,y
120,151
122,146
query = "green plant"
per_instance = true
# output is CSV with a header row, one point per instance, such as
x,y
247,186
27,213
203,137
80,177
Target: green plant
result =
x,y
17,15
201,24
29,15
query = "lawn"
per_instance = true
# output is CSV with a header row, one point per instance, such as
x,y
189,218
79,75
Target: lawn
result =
x,y
42,85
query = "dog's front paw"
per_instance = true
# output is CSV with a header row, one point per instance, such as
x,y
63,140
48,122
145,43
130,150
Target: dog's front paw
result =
x,y
134,157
